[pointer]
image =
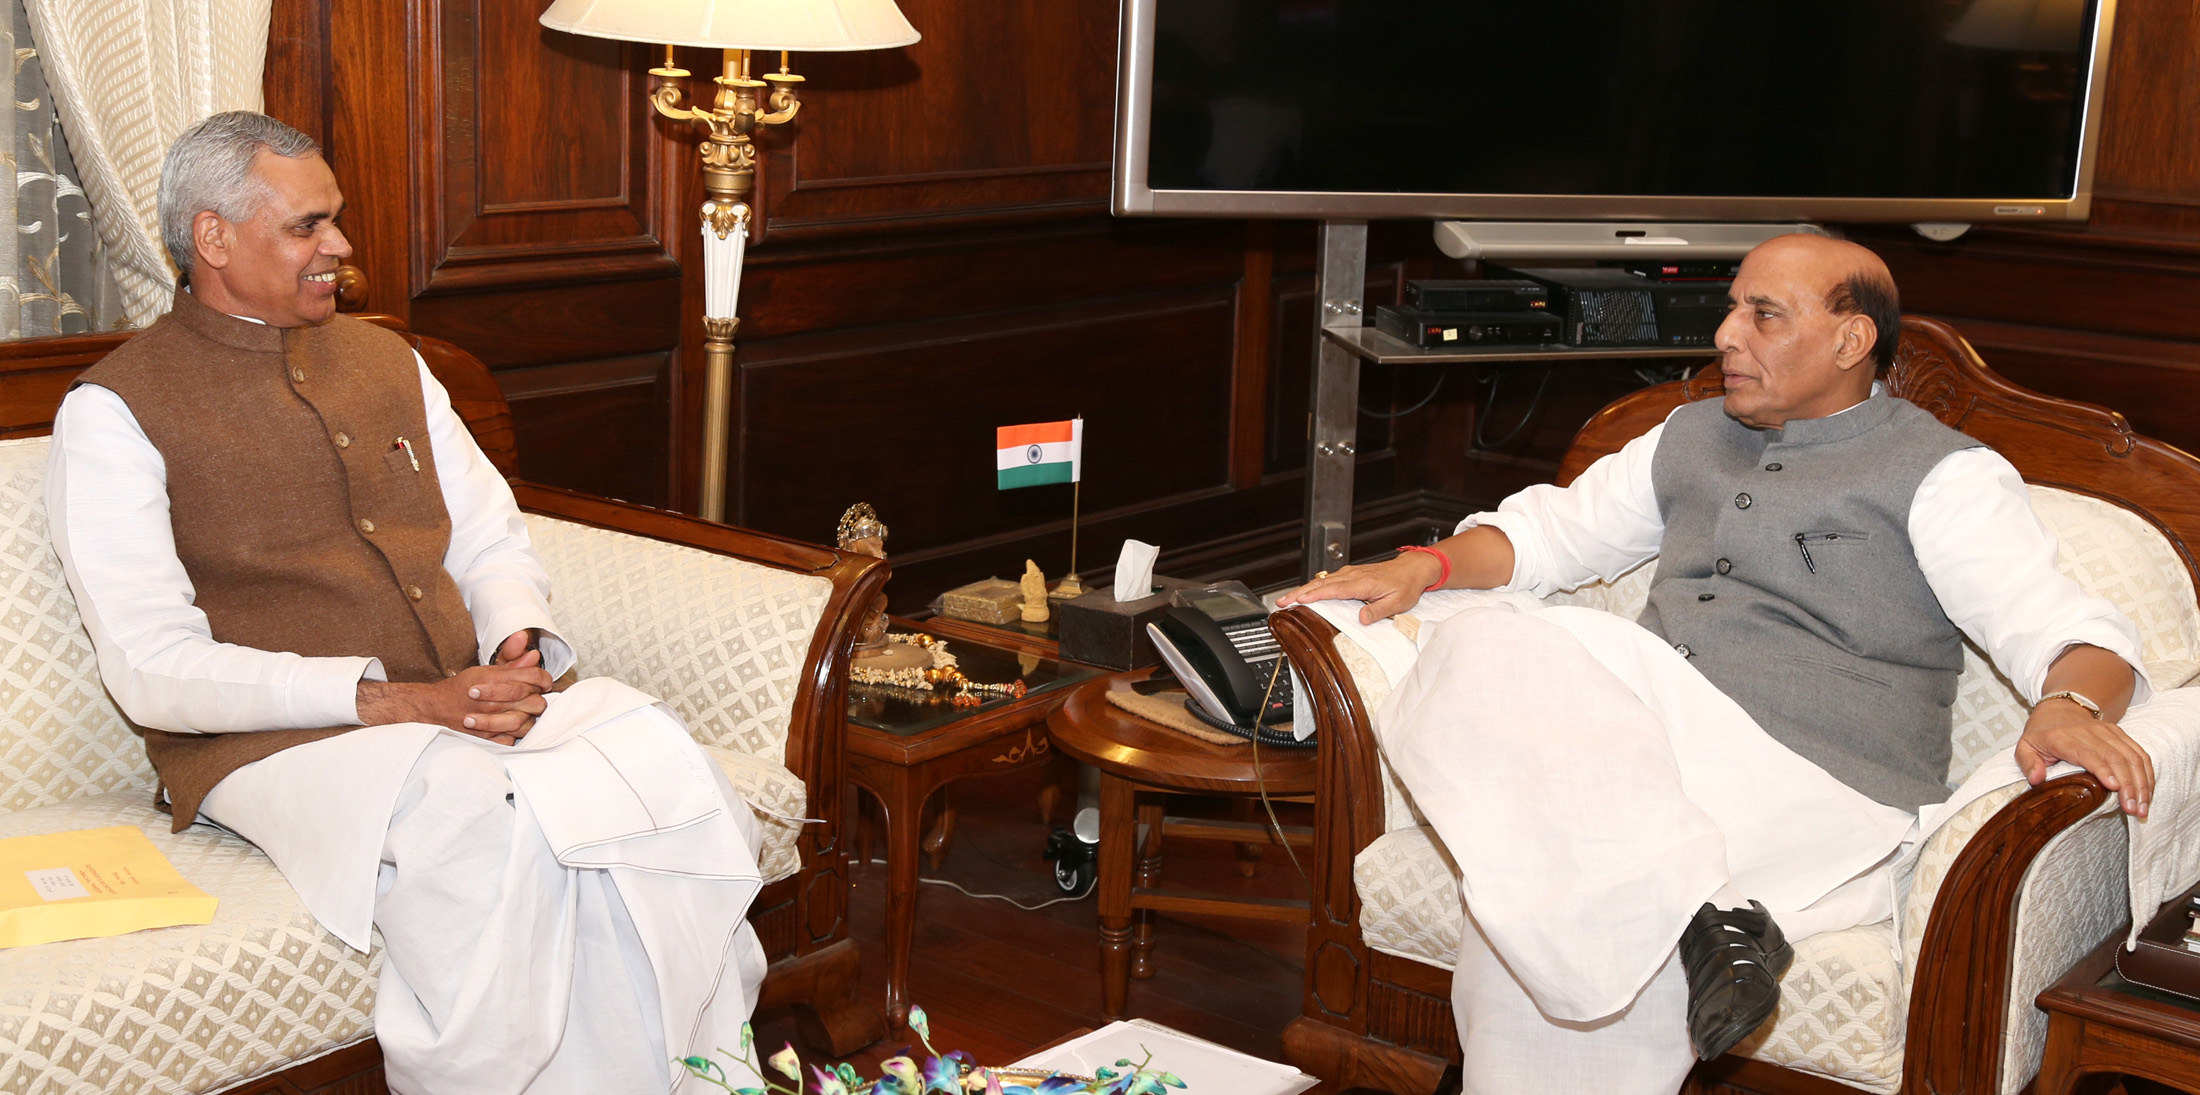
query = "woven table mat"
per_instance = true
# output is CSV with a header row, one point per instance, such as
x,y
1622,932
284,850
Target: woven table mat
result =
x,y
1167,709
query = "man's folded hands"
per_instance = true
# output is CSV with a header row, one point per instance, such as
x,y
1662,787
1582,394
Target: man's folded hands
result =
x,y
497,702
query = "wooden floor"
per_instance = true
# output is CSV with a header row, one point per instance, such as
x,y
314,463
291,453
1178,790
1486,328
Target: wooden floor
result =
x,y
998,981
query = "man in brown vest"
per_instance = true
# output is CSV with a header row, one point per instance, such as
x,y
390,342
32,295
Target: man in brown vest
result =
x,y
307,584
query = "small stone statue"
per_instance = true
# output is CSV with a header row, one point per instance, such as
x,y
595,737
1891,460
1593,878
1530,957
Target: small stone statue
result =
x,y
1035,594
863,533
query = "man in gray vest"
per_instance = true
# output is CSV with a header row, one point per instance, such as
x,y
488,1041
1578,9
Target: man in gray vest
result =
x,y
1638,810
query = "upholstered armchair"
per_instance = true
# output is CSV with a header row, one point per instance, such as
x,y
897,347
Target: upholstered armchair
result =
x,y
748,636
1999,901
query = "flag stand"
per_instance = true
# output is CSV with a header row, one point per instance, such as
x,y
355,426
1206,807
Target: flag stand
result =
x,y
1071,585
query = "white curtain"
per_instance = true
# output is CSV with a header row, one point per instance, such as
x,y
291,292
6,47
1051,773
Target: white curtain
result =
x,y
54,275
127,78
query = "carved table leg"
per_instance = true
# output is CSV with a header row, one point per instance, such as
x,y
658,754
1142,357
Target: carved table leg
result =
x,y
1118,830
1248,854
1150,817
903,802
942,836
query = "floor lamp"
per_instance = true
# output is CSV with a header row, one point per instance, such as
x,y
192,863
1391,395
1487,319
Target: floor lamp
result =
x,y
743,104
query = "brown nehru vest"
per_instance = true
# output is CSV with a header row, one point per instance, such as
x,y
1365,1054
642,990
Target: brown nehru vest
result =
x,y
302,522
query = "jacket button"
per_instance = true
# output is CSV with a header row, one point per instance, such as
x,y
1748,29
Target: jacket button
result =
x,y
1741,501
1724,566
1705,596
343,440
1774,466
366,525
1682,650
298,376
414,592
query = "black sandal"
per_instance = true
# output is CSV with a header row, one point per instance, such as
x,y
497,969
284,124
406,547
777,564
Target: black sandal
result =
x,y
1734,959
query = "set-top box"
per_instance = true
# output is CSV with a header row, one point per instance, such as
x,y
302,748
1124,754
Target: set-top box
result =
x,y
1452,330
1606,307
1477,295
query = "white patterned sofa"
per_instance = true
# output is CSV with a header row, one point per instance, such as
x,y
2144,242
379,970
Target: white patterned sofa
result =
x,y
2000,900
746,635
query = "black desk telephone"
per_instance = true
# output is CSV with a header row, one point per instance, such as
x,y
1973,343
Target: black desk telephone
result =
x,y
1217,642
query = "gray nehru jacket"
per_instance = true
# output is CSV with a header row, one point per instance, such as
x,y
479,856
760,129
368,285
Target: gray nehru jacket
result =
x,y
1787,577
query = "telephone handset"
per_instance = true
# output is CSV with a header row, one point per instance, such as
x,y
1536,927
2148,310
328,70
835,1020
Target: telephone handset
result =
x,y
1218,643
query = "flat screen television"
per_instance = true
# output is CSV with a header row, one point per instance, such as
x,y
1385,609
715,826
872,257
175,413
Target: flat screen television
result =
x,y
1630,110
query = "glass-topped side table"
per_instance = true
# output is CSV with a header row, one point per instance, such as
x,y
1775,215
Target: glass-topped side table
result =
x,y
2100,1025
904,744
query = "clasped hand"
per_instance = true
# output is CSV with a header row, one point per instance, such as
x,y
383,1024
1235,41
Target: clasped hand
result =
x,y
497,702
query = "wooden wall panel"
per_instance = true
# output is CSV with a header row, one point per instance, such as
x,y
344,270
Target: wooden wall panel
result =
x,y
541,154
1003,110
908,415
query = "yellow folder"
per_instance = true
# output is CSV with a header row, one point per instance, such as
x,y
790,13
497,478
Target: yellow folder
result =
x,y
91,883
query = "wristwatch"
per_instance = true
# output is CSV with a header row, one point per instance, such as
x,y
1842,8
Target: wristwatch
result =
x,y
2091,708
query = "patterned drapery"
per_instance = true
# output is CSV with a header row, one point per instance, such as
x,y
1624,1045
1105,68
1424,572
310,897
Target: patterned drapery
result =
x,y
127,78
54,277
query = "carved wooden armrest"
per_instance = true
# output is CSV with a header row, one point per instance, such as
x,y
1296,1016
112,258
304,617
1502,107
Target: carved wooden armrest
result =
x,y
1960,1000
816,724
1348,800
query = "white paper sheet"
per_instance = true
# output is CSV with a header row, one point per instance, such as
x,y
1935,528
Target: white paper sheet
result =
x,y
1205,1068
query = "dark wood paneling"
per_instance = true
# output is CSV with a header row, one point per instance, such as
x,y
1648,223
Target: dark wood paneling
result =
x,y
540,157
1003,110
591,425
546,325
905,419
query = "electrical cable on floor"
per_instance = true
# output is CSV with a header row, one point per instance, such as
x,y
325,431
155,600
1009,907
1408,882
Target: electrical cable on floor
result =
x,y
1482,420
1087,892
1409,410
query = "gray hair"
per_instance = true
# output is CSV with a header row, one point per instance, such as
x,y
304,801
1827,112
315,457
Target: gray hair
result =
x,y
210,168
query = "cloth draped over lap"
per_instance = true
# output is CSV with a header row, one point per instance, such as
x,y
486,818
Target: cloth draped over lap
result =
x,y
2163,848
608,780
604,791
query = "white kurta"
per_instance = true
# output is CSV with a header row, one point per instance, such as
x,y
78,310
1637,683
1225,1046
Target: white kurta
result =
x,y
1594,788
566,915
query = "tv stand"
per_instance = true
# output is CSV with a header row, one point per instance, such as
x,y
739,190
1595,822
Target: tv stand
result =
x,y
1341,342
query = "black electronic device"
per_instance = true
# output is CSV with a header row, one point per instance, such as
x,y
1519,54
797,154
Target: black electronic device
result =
x,y
1684,270
1218,644
1477,295
1450,330
1603,306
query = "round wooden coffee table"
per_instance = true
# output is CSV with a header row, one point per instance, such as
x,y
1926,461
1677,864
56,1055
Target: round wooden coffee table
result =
x,y
1137,757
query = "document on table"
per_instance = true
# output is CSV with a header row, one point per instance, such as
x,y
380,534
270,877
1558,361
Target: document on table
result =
x,y
1205,1068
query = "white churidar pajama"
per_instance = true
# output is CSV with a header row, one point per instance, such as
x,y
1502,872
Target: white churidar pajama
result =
x,y
1595,789
549,942
559,941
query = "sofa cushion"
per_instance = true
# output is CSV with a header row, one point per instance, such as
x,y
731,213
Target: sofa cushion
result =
x,y
60,735
1842,1010
1842,1004
195,1008
777,796
722,640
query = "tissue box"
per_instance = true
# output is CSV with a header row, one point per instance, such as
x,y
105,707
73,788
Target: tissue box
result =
x,y
1096,629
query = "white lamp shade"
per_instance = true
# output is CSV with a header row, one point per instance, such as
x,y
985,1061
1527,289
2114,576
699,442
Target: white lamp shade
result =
x,y
810,26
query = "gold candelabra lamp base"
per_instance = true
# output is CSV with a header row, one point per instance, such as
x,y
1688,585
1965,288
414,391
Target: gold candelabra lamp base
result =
x,y
741,106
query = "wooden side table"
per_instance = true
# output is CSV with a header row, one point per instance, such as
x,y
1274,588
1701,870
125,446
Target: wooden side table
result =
x,y
1137,757
2099,1026
904,745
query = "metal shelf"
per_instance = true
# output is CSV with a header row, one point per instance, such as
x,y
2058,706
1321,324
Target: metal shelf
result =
x,y
1369,344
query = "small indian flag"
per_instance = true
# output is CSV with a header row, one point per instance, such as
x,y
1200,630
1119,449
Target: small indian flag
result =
x,y
1040,453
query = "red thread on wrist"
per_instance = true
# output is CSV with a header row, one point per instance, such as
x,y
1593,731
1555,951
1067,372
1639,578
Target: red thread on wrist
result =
x,y
1441,559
